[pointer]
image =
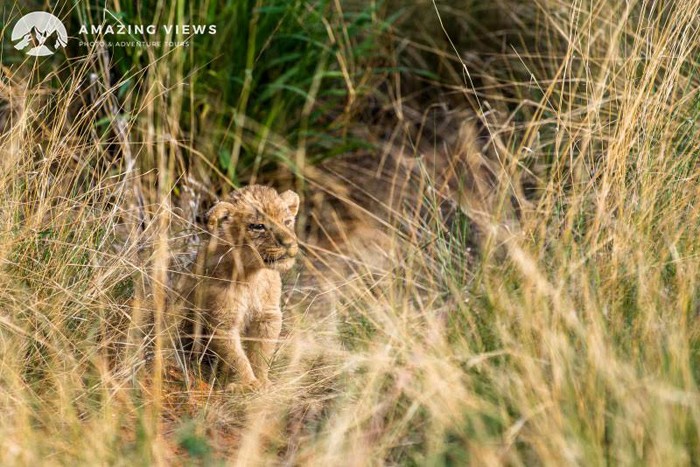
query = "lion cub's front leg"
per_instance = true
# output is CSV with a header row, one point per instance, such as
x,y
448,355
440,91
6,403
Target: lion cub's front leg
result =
x,y
263,332
226,343
227,322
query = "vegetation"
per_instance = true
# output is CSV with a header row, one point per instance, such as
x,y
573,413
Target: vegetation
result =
x,y
513,190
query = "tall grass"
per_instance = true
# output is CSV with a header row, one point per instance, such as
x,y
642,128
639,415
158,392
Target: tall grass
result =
x,y
532,299
276,78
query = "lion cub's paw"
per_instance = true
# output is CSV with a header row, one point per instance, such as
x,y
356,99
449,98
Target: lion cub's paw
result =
x,y
253,385
265,383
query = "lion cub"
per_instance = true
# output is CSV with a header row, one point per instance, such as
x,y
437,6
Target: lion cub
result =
x,y
231,302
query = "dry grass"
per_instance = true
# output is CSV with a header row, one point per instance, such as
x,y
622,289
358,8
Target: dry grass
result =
x,y
531,301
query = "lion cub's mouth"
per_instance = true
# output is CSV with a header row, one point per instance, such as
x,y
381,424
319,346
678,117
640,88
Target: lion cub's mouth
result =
x,y
271,260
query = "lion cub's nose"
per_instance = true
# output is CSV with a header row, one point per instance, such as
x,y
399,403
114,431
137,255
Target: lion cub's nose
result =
x,y
291,245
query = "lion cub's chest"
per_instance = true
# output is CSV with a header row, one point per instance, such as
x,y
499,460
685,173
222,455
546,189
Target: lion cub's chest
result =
x,y
253,297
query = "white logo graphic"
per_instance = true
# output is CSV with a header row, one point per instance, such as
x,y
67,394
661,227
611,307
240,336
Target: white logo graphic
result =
x,y
42,32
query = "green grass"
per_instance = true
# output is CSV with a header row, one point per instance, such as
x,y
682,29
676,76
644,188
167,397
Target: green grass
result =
x,y
276,78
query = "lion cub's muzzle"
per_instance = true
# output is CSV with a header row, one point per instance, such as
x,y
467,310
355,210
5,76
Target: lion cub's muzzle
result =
x,y
286,241
287,249
292,249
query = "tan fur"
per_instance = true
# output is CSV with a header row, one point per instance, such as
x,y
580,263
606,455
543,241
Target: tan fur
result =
x,y
232,299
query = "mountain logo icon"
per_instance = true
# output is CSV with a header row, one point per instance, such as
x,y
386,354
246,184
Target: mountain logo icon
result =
x,y
42,33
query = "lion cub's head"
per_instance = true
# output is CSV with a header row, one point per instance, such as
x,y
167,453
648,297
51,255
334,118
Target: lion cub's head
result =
x,y
259,221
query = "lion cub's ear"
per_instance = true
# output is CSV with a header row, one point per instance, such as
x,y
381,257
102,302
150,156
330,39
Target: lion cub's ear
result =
x,y
291,199
219,213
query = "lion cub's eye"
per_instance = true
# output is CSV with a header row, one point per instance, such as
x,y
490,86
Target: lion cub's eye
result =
x,y
288,222
256,227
